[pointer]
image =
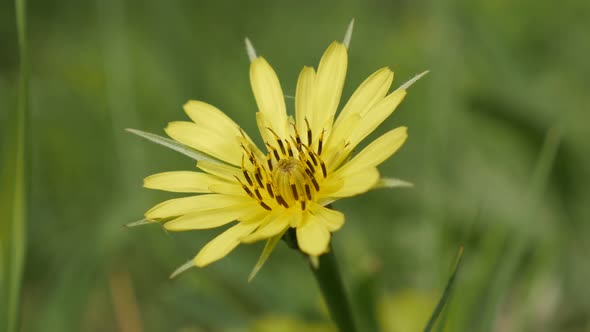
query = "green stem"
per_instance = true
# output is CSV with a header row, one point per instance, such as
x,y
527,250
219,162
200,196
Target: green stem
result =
x,y
330,281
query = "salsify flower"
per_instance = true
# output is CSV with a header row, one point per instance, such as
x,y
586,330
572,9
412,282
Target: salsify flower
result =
x,y
306,162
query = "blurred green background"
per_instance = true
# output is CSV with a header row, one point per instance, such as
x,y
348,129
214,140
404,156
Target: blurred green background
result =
x,y
507,79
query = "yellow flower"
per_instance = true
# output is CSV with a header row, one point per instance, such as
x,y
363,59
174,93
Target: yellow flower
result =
x,y
306,163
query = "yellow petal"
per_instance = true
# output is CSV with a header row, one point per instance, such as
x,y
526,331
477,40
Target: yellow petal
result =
x,y
212,142
220,246
374,117
228,189
376,152
304,99
372,90
349,184
273,224
313,237
353,129
181,206
211,117
268,248
337,148
226,172
269,95
332,219
264,124
182,182
328,85
211,218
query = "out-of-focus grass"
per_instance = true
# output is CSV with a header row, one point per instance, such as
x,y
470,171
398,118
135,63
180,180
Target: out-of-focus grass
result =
x,y
14,188
502,74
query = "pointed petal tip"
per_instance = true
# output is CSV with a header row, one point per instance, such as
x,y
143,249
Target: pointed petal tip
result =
x,y
315,261
182,268
413,80
348,34
393,183
253,273
250,50
140,222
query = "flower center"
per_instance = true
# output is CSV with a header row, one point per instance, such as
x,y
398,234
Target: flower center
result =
x,y
290,179
289,175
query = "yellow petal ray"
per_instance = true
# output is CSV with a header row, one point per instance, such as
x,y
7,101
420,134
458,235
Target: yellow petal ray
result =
x,y
181,206
223,171
272,225
372,90
246,142
349,184
227,189
182,182
376,152
207,140
268,248
329,82
304,98
332,219
211,117
210,218
263,124
313,237
354,129
376,115
220,246
338,148
368,94
269,95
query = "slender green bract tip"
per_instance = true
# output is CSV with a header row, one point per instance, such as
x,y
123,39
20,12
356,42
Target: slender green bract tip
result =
x,y
348,34
413,80
182,268
140,222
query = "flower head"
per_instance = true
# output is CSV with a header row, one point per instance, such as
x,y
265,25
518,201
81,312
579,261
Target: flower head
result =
x,y
307,161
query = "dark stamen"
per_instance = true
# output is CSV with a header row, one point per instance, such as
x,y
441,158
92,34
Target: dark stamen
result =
x,y
258,194
308,132
320,142
312,157
269,190
289,150
265,206
258,177
281,201
247,176
294,190
315,184
310,166
282,147
307,191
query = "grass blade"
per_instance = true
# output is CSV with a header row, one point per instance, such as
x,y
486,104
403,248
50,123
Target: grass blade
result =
x,y
446,294
14,191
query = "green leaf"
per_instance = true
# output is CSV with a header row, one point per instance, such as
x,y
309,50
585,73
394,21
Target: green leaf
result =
x,y
446,294
174,145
